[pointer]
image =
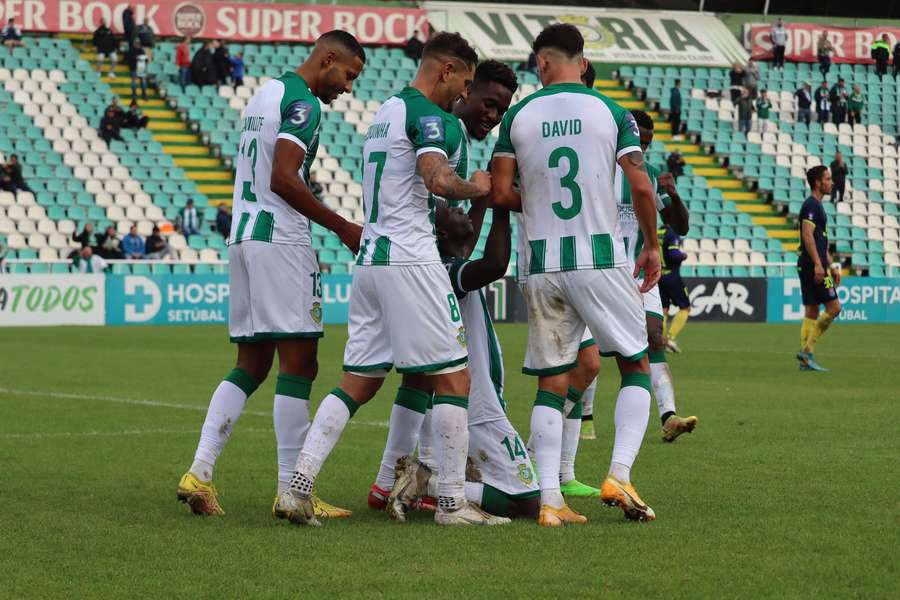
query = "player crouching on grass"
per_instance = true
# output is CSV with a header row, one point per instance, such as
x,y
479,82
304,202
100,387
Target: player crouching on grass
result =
x,y
817,285
500,479
276,290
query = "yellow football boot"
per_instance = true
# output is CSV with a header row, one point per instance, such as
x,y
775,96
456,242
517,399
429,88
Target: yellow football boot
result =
x,y
322,509
557,517
676,425
201,496
615,493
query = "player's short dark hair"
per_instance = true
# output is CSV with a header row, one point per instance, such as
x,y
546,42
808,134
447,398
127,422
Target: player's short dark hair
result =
x,y
350,43
642,119
495,71
560,36
589,76
815,175
450,45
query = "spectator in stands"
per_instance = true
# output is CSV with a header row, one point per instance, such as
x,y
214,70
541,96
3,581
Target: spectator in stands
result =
x,y
896,59
745,111
838,99
137,59
190,219
109,127
237,69
133,245
110,245
203,69
12,35
315,187
763,106
12,171
839,174
88,262
675,108
156,248
779,41
881,52
751,79
804,102
118,112
736,81
414,47
824,50
183,61
823,105
105,43
223,220
134,119
128,25
675,163
87,238
855,104
222,62
146,37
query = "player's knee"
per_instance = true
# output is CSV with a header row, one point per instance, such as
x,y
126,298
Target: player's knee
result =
x,y
834,309
451,384
360,388
629,367
655,337
588,365
417,381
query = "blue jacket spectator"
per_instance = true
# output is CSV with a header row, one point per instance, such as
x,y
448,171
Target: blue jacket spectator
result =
x,y
133,244
237,69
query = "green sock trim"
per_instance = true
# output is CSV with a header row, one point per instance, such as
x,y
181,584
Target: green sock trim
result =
x,y
575,413
349,402
636,380
657,356
549,399
460,401
293,386
243,380
574,395
413,399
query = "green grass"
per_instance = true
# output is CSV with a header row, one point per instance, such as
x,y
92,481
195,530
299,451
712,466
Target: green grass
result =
x,y
785,490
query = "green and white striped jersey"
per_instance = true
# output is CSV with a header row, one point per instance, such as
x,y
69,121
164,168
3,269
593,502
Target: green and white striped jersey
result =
x,y
566,140
399,210
628,224
282,108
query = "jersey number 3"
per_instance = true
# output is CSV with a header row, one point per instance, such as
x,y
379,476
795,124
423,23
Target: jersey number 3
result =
x,y
567,181
248,191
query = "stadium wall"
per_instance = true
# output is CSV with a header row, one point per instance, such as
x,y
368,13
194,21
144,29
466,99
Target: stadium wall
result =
x,y
203,299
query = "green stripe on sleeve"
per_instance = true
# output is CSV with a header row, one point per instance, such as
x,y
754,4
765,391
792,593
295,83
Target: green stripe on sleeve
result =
x,y
567,258
538,256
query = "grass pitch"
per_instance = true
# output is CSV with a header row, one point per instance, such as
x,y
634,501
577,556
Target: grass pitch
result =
x,y
785,490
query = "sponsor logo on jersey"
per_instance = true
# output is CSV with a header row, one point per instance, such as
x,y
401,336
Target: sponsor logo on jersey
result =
x,y
526,475
299,112
632,124
316,312
432,128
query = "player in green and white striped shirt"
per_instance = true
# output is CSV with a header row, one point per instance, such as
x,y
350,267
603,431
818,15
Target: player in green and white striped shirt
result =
x,y
564,142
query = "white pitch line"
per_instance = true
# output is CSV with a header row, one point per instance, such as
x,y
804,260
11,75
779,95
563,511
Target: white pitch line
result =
x,y
156,403
127,432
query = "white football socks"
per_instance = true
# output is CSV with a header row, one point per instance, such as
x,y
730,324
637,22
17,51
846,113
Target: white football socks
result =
x,y
632,414
663,390
474,492
290,416
225,408
426,442
450,434
332,417
546,444
570,436
407,415
587,399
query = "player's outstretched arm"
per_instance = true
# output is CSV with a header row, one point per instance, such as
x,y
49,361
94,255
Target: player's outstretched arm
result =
x,y
441,181
645,210
809,242
503,174
492,266
676,214
287,184
476,215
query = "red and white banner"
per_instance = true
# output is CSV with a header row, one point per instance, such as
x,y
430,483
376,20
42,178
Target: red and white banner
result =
x,y
851,44
221,20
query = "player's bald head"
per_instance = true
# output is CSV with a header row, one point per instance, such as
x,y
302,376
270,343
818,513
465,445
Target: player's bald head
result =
x,y
340,41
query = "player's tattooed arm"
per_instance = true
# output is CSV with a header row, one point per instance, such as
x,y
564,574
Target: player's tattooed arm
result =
x,y
497,250
503,191
286,183
645,210
636,159
441,181
676,214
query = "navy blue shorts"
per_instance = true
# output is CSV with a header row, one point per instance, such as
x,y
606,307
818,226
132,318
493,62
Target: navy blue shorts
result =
x,y
814,293
673,291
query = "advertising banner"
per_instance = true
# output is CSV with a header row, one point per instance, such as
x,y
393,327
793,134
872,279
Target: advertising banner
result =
x,y
863,300
51,300
195,299
735,299
505,31
239,21
851,44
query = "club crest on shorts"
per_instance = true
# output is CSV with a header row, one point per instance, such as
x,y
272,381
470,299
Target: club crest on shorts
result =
x,y
316,312
526,475
461,337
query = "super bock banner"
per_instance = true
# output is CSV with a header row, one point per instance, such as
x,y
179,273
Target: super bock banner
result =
x,y
505,31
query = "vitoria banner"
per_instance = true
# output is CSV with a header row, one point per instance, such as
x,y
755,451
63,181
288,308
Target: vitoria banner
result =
x,y
505,31
851,44
240,21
